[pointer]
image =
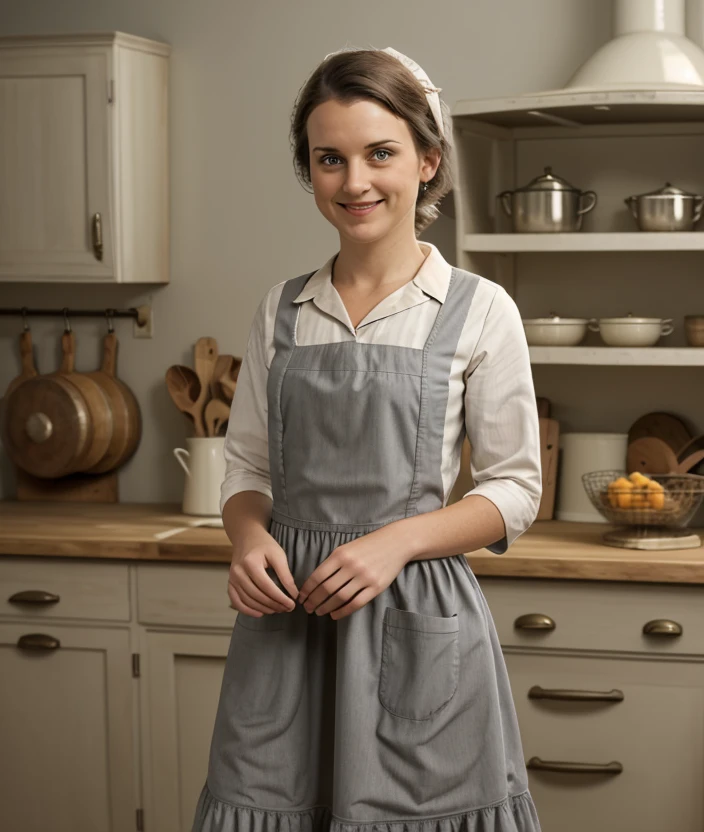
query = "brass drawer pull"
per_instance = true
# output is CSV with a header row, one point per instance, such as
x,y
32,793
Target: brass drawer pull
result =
x,y
534,621
662,627
537,764
34,596
38,641
536,692
98,236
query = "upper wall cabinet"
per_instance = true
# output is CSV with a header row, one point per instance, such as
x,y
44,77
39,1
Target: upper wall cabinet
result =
x,y
84,188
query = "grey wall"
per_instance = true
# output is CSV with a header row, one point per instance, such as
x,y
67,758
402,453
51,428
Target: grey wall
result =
x,y
240,220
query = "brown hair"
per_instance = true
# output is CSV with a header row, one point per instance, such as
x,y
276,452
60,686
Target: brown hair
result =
x,y
373,74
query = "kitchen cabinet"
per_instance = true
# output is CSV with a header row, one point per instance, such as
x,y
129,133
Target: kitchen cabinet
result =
x,y
182,682
619,710
115,724
84,158
68,753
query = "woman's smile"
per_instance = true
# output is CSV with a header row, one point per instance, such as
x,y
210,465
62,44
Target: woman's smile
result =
x,y
361,208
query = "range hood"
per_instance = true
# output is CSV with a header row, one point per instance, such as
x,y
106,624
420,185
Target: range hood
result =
x,y
649,51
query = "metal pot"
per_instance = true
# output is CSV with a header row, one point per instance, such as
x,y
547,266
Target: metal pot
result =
x,y
667,209
547,204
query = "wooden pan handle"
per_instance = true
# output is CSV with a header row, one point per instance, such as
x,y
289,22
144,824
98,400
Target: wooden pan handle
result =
x,y
27,354
68,345
110,354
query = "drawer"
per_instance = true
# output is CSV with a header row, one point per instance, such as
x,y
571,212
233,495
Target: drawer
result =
x,y
639,721
193,595
64,588
596,615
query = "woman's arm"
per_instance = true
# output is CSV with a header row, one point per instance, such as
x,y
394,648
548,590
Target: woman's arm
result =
x,y
501,420
246,442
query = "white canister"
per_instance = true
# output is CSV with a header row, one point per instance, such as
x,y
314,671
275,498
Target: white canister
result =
x,y
203,460
579,454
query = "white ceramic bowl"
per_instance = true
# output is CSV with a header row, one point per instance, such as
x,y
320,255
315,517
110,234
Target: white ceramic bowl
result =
x,y
555,331
630,331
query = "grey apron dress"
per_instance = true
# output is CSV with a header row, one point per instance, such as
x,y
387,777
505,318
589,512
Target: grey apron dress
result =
x,y
398,717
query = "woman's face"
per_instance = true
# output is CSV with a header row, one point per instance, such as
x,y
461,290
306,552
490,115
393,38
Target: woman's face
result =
x,y
362,153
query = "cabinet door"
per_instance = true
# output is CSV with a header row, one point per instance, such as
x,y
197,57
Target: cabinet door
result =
x,y
183,678
66,730
655,732
54,158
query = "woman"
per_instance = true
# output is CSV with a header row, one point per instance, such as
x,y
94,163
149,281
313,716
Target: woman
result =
x,y
364,682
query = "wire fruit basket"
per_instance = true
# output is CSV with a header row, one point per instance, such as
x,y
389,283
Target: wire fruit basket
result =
x,y
650,511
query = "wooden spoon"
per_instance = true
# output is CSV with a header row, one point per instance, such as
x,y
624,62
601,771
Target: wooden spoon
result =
x,y
216,414
205,355
222,366
228,381
184,387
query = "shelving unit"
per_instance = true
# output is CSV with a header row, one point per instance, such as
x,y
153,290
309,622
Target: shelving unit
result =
x,y
620,356
616,143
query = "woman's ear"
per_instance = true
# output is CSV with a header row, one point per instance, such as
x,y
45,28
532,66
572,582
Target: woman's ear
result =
x,y
430,164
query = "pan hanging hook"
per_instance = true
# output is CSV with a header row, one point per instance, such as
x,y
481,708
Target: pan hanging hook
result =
x,y
108,315
67,323
25,324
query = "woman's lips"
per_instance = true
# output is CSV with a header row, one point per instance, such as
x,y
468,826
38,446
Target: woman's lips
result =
x,y
361,212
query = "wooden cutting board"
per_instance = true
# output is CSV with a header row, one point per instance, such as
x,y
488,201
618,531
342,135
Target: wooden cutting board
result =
x,y
549,447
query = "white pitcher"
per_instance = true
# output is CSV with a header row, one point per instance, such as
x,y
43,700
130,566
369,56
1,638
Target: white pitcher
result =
x,y
204,464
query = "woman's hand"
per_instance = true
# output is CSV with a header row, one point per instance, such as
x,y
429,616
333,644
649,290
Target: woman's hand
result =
x,y
250,588
362,568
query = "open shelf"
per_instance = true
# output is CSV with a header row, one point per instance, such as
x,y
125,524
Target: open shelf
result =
x,y
573,108
620,356
586,241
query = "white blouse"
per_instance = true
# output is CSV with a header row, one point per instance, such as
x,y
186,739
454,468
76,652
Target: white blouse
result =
x,y
491,392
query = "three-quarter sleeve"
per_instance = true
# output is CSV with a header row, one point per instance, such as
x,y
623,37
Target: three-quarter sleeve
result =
x,y
246,443
501,419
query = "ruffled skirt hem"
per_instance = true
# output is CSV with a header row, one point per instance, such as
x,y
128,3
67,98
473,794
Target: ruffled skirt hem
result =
x,y
513,814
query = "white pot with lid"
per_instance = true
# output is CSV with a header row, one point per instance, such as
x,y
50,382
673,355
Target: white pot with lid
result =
x,y
631,331
555,331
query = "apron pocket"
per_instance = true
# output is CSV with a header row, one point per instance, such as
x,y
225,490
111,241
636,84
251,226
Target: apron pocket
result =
x,y
268,621
419,663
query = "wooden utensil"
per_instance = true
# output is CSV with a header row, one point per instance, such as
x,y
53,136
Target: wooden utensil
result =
x,y
228,380
57,424
665,426
27,358
549,449
205,355
651,455
184,387
127,419
695,445
217,413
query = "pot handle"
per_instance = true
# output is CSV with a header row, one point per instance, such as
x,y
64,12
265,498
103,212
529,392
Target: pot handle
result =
x,y
593,325
587,208
698,205
505,201
667,327
179,453
631,202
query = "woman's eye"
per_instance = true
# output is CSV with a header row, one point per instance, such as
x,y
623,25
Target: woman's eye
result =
x,y
324,159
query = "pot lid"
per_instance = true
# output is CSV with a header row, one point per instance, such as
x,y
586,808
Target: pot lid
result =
x,y
547,182
666,190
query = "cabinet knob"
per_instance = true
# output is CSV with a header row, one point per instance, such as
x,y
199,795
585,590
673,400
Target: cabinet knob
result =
x,y
98,236
662,627
536,692
537,764
534,621
34,596
38,641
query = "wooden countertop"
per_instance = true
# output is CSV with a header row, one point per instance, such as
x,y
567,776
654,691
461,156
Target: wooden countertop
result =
x,y
159,532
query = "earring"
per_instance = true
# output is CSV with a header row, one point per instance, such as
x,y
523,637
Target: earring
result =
x,y
424,187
